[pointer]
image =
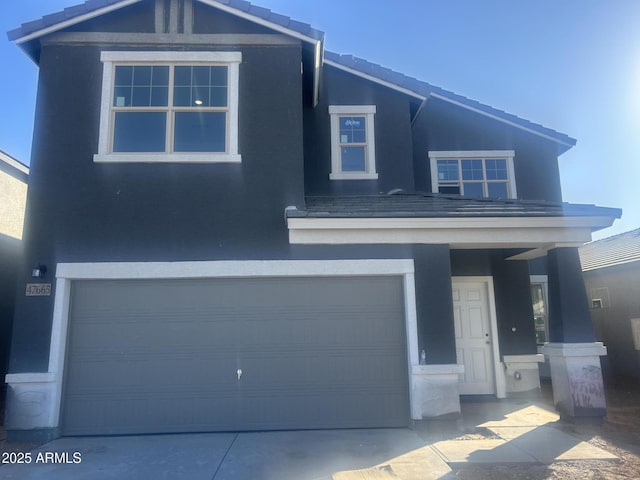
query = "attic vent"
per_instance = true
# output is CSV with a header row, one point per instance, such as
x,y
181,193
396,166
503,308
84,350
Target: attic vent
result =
x,y
599,297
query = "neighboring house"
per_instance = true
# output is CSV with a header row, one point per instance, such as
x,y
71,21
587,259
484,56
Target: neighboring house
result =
x,y
234,240
611,270
13,197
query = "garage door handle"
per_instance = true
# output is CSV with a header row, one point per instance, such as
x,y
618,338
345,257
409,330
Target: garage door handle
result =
x,y
239,373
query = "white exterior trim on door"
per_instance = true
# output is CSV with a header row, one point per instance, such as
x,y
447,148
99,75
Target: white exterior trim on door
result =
x,y
48,386
500,385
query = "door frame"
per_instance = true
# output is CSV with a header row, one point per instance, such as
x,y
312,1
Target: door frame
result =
x,y
500,383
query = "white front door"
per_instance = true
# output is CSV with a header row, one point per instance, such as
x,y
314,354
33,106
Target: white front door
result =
x,y
474,349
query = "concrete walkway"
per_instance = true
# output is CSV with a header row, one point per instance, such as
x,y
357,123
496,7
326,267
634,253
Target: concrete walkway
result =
x,y
497,432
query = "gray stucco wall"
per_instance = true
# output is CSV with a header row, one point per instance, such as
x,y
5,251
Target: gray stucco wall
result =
x,y
612,323
392,136
442,126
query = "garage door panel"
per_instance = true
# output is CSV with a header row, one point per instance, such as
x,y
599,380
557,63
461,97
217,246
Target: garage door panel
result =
x,y
150,356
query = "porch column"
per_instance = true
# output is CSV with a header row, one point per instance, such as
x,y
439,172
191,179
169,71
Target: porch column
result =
x,y
574,355
434,379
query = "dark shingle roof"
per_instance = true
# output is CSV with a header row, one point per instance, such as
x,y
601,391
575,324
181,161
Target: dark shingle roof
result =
x,y
424,90
616,250
428,205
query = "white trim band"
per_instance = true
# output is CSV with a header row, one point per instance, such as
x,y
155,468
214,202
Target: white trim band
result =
x,y
594,349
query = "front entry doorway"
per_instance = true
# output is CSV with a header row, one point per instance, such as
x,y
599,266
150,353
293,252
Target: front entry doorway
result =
x,y
475,335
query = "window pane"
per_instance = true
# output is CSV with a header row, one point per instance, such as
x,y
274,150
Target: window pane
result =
x,y
496,169
142,76
182,76
141,97
472,170
219,76
201,76
498,190
447,170
218,96
141,86
200,132
199,86
200,97
159,96
182,96
473,190
122,97
353,130
139,132
353,159
124,76
539,313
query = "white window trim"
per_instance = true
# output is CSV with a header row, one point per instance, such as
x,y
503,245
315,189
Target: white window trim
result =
x,y
368,111
109,59
434,156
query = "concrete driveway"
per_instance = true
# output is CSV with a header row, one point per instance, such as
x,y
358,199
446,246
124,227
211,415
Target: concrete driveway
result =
x,y
298,455
488,433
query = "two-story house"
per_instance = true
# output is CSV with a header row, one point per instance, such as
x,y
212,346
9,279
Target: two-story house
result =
x,y
243,231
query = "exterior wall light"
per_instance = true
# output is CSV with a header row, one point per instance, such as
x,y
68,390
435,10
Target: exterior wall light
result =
x,y
39,271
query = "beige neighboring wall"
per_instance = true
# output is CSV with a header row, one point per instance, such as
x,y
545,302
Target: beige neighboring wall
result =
x,y
13,199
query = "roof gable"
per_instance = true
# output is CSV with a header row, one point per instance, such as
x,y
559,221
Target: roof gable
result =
x,y
95,8
424,91
413,87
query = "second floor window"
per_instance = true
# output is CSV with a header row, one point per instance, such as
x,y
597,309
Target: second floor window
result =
x,y
352,142
179,106
473,173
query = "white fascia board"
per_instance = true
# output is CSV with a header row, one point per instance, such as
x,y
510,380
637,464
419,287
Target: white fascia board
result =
x,y
466,223
455,238
75,20
259,21
522,232
500,119
375,80
12,162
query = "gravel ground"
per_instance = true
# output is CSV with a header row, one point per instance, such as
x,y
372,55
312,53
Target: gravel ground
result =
x,y
619,434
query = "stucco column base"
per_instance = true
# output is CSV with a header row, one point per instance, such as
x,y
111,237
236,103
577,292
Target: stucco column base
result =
x,y
576,378
434,391
31,414
521,373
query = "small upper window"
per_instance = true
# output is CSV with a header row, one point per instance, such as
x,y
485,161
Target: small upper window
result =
x,y
474,174
352,142
169,106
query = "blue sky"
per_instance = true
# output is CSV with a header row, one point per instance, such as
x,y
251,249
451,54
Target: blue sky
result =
x,y
571,65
